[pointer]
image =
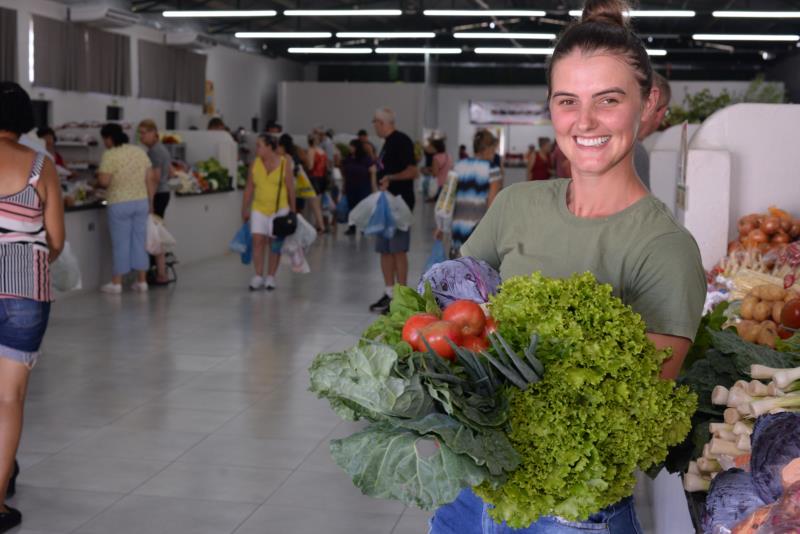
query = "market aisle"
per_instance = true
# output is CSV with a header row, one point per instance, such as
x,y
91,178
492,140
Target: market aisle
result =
x,y
187,411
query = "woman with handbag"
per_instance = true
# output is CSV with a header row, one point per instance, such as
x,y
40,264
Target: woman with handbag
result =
x,y
270,206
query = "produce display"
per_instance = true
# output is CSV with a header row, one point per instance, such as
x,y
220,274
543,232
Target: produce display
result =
x,y
207,176
545,405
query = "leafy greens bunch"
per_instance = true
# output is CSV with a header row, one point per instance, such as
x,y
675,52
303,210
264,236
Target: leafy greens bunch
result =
x,y
600,412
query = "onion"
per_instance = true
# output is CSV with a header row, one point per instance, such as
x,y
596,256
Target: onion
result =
x,y
786,224
781,238
757,236
771,225
745,227
794,231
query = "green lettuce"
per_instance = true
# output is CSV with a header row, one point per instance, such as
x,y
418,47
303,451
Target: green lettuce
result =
x,y
600,411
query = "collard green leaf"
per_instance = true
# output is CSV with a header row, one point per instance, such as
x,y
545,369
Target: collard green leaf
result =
x,y
392,463
431,306
745,354
363,376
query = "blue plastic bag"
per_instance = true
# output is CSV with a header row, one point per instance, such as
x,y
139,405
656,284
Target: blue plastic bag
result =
x,y
242,243
381,222
437,255
342,210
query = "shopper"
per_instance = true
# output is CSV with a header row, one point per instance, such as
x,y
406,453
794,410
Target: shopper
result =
x,y
363,136
478,185
396,172
359,177
641,158
269,194
161,167
286,147
48,135
603,220
31,237
462,152
317,167
126,172
540,165
442,164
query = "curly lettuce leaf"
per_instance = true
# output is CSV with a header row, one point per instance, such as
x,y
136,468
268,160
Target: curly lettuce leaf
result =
x,y
388,462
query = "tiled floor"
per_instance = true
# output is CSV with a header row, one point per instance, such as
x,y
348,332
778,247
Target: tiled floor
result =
x,y
185,411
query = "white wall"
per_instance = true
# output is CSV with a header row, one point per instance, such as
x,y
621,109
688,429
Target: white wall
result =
x,y
349,107
246,84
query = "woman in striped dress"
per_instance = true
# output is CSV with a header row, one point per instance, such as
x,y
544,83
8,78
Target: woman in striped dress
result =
x,y
478,184
31,236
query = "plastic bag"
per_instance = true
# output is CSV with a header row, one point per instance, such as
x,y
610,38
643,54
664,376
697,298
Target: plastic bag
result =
x,y
445,205
437,255
294,246
381,222
464,278
361,212
159,240
65,273
242,243
400,212
342,210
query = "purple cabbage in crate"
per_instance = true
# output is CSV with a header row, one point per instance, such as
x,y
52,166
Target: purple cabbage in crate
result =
x,y
775,443
464,278
731,498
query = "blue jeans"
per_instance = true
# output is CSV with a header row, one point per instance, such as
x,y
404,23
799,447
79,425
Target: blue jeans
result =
x,y
468,514
127,223
22,326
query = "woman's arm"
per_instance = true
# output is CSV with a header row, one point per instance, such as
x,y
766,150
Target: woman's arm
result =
x,y
373,178
680,347
288,177
104,179
151,180
436,166
49,188
247,200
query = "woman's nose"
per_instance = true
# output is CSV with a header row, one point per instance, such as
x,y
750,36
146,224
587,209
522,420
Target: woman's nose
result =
x,y
587,119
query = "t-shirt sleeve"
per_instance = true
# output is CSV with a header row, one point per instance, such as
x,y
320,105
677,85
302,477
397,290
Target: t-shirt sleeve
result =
x,y
495,174
668,288
107,163
158,158
482,243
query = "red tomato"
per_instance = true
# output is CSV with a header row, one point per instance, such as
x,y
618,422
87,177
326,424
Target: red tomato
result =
x,y
437,334
468,315
783,333
412,327
790,316
491,326
475,343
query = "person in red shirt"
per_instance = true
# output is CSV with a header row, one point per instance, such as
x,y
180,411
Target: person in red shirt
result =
x,y
561,163
47,135
539,166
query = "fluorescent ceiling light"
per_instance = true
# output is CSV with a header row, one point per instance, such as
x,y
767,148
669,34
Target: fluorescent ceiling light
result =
x,y
320,50
283,35
417,50
483,13
385,35
743,37
656,52
220,14
757,14
342,12
647,13
503,35
515,51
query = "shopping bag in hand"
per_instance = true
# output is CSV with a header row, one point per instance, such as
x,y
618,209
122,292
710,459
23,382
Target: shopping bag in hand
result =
x,y
342,210
65,272
242,243
159,240
381,222
437,255
362,212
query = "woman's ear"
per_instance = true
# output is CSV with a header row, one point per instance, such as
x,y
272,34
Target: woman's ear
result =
x,y
651,103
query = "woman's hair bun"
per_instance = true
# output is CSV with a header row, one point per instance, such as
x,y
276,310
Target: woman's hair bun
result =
x,y
605,12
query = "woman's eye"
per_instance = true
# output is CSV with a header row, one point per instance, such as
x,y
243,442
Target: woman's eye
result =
x,y
610,101
566,102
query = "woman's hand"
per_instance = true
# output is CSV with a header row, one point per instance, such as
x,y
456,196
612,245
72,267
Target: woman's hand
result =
x,y
245,214
438,234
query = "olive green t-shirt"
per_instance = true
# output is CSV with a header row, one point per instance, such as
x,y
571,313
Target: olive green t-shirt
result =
x,y
649,259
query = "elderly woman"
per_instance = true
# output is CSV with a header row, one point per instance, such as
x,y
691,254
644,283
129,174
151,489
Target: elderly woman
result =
x,y
603,220
126,172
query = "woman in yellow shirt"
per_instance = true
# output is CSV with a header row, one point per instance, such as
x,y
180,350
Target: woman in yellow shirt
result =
x,y
269,194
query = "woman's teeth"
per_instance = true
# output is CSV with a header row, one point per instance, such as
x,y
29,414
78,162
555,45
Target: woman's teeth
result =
x,y
592,141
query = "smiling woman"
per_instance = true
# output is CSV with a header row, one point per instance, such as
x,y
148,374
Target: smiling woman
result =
x,y
603,221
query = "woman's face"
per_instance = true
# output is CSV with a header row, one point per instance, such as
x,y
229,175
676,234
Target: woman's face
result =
x,y
263,149
108,143
596,107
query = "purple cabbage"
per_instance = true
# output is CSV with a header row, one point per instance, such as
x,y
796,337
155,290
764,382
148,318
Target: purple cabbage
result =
x,y
731,498
464,278
775,443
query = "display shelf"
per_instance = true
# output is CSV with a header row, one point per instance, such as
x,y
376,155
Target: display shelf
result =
x,y
86,207
75,144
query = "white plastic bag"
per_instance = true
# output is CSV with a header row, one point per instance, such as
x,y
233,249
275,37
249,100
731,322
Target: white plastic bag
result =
x,y
445,205
65,272
295,245
361,214
159,240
